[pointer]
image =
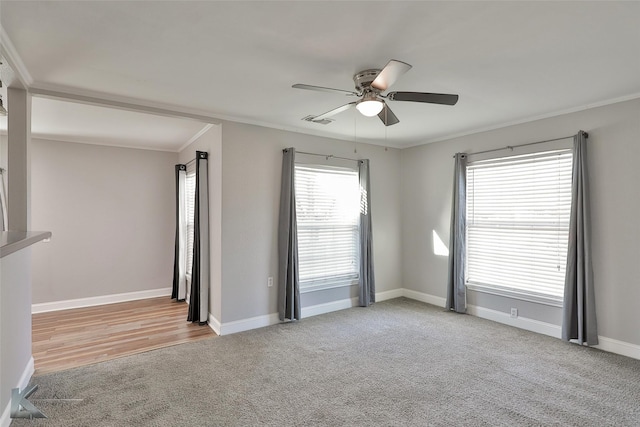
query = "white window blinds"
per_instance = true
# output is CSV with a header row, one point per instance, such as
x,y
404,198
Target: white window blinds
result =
x,y
328,213
517,223
190,187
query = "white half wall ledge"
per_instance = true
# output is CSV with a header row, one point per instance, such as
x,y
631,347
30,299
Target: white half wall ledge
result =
x,y
99,300
5,418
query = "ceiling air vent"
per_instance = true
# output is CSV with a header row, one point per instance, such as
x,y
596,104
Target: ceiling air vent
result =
x,y
322,122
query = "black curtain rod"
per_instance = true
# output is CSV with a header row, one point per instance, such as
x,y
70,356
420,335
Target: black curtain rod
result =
x,y
511,147
328,156
203,155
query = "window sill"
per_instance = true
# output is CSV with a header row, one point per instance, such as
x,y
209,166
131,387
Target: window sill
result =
x,y
325,286
516,294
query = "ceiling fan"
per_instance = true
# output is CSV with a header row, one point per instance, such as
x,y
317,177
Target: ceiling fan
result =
x,y
369,87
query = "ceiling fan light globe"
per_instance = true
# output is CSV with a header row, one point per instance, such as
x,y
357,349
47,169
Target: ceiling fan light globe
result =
x,y
370,107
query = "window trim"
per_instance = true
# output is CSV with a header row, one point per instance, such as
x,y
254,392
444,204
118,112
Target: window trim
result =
x,y
190,173
504,291
329,283
515,294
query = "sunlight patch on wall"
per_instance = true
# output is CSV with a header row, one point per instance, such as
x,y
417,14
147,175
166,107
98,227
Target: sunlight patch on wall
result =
x,y
439,248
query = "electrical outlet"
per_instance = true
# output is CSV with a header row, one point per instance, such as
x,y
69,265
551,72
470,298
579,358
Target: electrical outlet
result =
x,y
514,312
270,282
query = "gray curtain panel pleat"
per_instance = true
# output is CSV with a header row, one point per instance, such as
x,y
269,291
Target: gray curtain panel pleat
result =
x,y
178,291
456,289
288,276
367,294
199,296
579,307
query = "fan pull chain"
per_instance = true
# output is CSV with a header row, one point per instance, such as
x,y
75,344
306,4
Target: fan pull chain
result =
x,y
355,133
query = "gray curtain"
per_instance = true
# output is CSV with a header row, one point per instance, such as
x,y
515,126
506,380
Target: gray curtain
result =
x,y
367,294
179,290
199,295
456,289
288,286
579,307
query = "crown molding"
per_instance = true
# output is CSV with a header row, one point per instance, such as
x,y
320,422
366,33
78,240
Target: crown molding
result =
x,y
119,102
590,106
131,145
10,54
196,136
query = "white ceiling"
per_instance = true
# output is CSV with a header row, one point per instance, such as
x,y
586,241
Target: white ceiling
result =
x,y
509,61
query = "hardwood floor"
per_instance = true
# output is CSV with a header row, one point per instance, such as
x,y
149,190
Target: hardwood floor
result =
x,y
70,338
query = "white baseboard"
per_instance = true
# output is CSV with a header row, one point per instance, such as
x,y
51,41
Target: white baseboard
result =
x,y
248,324
314,310
494,315
27,373
328,307
519,322
214,324
273,318
421,296
606,344
385,295
618,347
99,300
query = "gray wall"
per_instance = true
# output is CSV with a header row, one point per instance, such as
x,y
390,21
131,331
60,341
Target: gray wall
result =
x,y
427,173
15,322
111,211
251,173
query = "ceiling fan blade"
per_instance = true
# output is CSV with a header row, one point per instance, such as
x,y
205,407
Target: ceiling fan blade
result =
x,y
431,98
390,74
387,116
324,89
335,111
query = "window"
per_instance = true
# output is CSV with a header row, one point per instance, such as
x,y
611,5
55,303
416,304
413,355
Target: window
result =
x,y
190,193
518,224
328,215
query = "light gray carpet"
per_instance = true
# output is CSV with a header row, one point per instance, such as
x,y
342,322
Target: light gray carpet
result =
x,y
398,363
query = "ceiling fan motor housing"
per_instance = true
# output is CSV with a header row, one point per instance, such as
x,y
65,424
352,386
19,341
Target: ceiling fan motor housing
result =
x,y
364,78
